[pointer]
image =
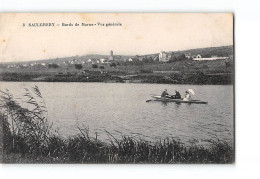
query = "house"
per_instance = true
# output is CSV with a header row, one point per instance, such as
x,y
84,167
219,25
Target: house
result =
x,y
71,62
155,58
188,56
163,56
111,61
106,61
10,66
129,59
199,58
169,57
103,60
93,61
133,59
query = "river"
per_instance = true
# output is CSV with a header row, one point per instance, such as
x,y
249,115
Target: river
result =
x,y
121,109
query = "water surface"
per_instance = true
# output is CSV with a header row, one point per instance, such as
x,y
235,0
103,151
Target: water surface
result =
x,y
122,109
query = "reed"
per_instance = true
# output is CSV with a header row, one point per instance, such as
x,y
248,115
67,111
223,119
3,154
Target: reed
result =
x,y
29,138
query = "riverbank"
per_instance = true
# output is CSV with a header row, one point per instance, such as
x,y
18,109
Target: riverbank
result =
x,y
81,149
159,78
29,138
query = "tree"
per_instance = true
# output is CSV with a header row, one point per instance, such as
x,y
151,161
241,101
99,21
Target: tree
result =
x,y
94,66
53,65
173,58
78,66
148,60
113,64
181,57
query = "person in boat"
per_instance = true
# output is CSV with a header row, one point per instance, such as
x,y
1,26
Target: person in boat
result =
x,y
177,95
165,93
187,96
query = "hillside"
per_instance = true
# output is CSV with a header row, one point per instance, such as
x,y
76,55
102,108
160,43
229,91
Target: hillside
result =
x,y
66,59
81,58
223,51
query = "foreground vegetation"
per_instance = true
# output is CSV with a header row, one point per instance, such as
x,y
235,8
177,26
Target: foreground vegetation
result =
x,y
29,138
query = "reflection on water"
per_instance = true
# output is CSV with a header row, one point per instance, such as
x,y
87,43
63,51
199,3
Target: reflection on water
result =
x,y
122,109
163,103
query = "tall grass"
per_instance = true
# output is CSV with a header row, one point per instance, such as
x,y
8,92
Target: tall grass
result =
x,y
25,125
29,138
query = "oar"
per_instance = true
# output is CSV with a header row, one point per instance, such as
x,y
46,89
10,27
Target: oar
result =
x,y
153,95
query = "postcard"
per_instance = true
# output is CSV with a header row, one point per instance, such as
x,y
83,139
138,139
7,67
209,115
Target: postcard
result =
x,y
117,88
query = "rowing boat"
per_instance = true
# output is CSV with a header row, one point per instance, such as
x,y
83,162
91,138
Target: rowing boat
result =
x,y
166,99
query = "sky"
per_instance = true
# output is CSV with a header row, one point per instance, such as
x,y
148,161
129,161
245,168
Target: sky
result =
x,y
139,34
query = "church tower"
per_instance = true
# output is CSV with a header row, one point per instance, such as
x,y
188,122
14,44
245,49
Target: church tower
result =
x,y
111,57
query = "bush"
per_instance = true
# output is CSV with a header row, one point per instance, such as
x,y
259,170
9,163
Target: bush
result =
x,y
78,66
113,64
53,65
102,67
94,66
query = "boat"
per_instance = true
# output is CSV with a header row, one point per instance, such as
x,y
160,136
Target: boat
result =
x,y
166,99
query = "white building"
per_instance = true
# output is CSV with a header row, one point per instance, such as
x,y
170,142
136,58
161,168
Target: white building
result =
x,y
102,60
163,56
199,58
188,56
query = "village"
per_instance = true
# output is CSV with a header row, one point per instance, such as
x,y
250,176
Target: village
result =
x,y
210,67
162,57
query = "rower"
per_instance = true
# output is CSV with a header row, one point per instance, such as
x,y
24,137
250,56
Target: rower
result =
x,y
177,95
164,93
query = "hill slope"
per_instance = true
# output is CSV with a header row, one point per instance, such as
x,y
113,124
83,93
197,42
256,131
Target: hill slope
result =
x,y
222,51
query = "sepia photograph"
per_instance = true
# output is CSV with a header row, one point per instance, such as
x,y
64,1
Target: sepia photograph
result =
x,y
117,88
